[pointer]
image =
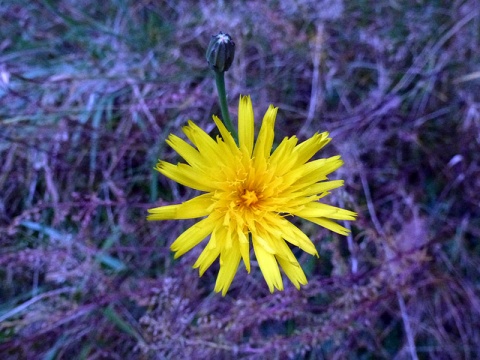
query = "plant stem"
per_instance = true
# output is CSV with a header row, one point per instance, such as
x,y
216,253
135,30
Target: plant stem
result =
x,y
222,96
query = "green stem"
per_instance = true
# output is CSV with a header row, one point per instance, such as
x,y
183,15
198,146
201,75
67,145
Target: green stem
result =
x,y
222,96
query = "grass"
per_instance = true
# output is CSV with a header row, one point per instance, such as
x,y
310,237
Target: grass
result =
x,y
88,94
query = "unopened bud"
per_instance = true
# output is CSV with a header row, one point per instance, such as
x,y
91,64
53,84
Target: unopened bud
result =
x,y
220,52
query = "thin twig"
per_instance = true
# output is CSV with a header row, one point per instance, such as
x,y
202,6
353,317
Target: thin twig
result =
x,y
406,326
315,94
33,300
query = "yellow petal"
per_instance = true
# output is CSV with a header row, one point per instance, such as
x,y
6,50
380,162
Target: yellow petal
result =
x,y
245,252
208,255
193,208
193,236
317,188
293,271
226,136
263,239
283,159
206,258
206,146
311,146
268,266
263,146
228,157
297,237
197,135
184,174
168,212
312,172
330,225
244,248
317,209
229,260
283,251
185,150
317,170
245,124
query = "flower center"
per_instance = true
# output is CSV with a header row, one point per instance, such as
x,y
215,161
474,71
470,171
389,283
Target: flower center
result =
x,y
249,197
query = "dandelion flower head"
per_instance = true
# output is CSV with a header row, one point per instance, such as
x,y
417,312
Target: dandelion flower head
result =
x,y
249,192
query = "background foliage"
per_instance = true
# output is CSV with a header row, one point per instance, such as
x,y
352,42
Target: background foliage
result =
x,y
88,93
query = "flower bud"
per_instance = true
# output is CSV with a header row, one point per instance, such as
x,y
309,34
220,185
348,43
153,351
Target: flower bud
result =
x,y
220,52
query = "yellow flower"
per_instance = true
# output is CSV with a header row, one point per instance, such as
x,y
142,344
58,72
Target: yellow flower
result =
x,y
249,193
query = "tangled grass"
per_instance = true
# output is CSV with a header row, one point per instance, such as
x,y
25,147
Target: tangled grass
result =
x,y
88,94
